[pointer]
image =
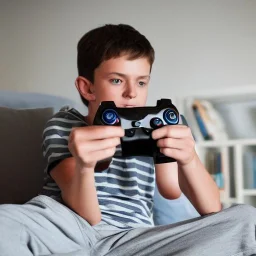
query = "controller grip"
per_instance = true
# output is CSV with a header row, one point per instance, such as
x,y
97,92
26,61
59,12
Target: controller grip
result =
x,y
160,158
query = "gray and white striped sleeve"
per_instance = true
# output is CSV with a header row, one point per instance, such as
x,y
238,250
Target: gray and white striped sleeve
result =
x,y
55,137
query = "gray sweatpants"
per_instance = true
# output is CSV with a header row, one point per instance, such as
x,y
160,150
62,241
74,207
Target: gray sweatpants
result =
x,y
44,226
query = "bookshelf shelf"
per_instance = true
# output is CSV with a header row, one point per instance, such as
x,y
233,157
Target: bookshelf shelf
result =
x,y
227,143
237,109
249,192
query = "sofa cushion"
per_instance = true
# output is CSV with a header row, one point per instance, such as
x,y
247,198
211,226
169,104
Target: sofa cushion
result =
x,y
21,158
27,100
170,211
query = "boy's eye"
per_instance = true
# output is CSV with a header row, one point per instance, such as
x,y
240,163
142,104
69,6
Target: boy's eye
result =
x,y
116,81
142,83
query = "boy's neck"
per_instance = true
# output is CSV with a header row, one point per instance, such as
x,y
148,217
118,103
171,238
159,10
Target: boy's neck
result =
x,y
90,116
88,119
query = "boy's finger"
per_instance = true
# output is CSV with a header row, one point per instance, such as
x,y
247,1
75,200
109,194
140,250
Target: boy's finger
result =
x,y
98,132
101,132
103,144
170,131
171,143
101,154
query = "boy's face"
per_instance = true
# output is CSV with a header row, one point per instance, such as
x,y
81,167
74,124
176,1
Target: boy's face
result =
x,y
123,81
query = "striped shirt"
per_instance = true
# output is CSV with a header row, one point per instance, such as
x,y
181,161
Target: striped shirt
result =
x,y
125,189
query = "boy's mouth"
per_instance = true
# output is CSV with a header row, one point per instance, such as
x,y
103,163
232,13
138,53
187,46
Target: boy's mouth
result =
x,y
129,106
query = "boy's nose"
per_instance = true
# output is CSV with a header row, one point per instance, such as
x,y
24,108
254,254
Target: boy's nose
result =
x,y
130,91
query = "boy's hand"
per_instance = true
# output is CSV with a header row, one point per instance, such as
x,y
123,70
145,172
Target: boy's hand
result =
x,y
93,143
176,141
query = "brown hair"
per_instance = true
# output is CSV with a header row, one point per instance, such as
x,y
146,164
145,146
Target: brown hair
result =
x,y
110,41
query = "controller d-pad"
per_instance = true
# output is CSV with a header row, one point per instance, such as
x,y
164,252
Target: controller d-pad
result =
x,y
129,132
146,130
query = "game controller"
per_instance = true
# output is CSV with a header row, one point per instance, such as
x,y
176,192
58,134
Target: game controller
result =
x,y
138,123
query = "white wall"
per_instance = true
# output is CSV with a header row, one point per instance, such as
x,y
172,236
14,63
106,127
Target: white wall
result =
x,y
199,44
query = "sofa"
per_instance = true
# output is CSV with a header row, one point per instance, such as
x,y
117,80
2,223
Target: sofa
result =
x,y
23,116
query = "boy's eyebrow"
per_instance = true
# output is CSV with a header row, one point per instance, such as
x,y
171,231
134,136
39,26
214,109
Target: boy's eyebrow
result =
x,y
123,75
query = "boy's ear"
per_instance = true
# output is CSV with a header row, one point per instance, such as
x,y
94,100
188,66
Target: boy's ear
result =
x,y
85,88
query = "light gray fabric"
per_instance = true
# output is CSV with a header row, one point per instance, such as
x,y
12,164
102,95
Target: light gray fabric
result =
x,y
43,227
23,100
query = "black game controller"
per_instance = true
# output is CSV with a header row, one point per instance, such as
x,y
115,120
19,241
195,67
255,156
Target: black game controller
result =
x,y
138,123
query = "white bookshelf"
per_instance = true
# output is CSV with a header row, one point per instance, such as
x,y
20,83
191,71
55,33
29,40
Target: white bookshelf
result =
x,y
232,150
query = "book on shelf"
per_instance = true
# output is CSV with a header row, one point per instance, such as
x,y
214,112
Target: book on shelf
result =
x,y
205,121
214,167
192,121
249,163
201,123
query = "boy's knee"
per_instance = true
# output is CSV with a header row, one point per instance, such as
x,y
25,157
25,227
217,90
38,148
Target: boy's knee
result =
x,y
11,213
242,213
6,209
10,228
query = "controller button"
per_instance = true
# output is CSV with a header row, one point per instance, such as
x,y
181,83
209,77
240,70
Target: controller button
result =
x,y
110,117
129,133
147,131
170,116
156,123
136,123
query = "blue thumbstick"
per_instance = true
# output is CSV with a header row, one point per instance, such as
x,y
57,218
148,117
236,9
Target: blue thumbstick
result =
x,y
170,117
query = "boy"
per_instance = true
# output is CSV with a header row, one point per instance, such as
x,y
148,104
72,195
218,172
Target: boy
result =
x,y
108,211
